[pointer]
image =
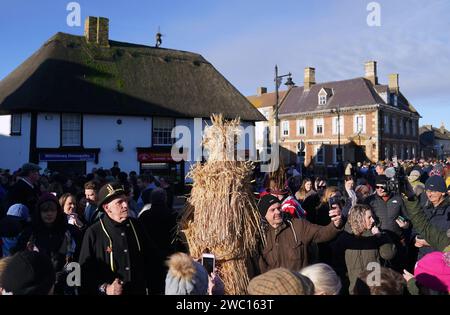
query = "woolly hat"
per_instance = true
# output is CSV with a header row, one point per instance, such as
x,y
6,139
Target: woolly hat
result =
x,y
265,202
433,271
185,276
435,183
20,211
28,273
414,175
280,281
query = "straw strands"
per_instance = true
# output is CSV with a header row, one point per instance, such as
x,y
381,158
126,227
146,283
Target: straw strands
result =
x,y
221,215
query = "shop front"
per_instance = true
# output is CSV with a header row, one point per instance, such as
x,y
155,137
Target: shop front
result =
x,y
158,161
67,162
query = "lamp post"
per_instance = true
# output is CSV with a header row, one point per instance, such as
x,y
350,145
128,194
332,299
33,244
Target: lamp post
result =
x,y
338,112
289,83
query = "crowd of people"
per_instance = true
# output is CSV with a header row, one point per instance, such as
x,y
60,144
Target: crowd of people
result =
x,y
388,221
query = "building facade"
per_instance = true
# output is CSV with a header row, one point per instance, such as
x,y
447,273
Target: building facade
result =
x,y
356,120
434,142
81,102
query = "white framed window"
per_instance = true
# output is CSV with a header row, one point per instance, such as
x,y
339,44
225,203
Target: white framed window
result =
x,y
359,123
335,154
394,125
285,127
338,127
16,124
319,152
414,128
400,126
413,151
322,99
70,130
318,126
386,123
386,152
162,131
301,127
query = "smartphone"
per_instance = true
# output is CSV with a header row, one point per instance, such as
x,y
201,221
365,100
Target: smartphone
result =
x,y
401,218
209,262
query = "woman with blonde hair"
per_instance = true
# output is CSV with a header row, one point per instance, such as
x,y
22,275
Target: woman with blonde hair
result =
x,y
362,247
325,279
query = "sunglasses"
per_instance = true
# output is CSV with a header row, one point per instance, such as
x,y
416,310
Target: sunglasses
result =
x,y
380,187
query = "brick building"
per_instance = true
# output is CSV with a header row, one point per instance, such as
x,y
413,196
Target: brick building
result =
x,y
376,121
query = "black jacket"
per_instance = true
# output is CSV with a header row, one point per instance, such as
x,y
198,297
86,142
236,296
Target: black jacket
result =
x,y
111,250
160,223
387,212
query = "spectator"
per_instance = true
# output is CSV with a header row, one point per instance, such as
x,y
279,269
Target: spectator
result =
x,y
27,273
325,279
281,281
390,283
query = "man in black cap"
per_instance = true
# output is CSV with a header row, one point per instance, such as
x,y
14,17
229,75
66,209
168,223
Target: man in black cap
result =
x,y
391,217
117,257
288,240
25,190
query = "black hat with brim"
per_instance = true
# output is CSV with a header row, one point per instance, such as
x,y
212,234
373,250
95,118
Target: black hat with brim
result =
x,y
109,192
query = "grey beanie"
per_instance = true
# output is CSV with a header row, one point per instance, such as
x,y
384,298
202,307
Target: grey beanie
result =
x,y
185,276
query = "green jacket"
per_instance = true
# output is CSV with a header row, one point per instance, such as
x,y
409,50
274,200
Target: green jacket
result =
x,y
354,254
435,237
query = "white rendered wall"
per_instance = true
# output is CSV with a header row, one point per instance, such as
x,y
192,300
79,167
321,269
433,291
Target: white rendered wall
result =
x,y
48,130
14,149
103,132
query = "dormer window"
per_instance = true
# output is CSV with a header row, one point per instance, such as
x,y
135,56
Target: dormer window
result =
x,y
324,95
322,99
394,99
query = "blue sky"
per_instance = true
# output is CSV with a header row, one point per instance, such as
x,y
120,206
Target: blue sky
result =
x,y
244,39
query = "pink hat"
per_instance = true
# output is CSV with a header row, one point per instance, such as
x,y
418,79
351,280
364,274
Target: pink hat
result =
x,y
433,271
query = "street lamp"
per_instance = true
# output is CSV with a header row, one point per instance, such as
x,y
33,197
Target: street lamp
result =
x,y
338,112
278,80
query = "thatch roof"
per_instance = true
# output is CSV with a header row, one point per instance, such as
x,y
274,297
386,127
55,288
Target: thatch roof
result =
x,y
69,75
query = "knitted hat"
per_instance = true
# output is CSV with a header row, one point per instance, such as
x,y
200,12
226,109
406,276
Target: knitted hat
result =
x,y
280,281
185,276
19,210
435,183
265,202
28,273
414,175
433,271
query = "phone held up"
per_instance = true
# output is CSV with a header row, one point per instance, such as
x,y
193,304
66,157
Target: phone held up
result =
x,y
209,262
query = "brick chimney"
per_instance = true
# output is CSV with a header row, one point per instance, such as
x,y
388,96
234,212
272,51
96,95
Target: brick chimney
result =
x,y
393,83
310,78
261,90
96,30
370,68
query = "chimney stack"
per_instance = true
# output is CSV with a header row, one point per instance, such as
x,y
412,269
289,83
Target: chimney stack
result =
x,y
393,83
371,72
310,78
442,128
261,90
96,30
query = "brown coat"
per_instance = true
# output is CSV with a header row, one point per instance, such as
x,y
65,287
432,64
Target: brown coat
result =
x,y
287,246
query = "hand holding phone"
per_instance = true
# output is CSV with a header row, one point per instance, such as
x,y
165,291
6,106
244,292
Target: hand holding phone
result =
x,y
209,262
